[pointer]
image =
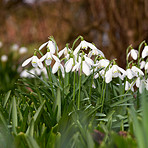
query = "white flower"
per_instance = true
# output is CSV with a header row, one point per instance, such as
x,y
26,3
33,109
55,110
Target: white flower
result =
x,y
130,73
57,66
145,52
68,65
113,72
23,50
137,71
84,45
65,52
133,53
48,57
34,61
14,47
50,45
4,58
25,74
103,63
134,72
142,64
86,65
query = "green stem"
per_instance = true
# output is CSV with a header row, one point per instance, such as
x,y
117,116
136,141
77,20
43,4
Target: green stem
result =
x,y
80,85
139,49
130,46
74,81
103,98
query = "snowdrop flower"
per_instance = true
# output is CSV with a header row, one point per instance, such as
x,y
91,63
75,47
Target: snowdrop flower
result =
x,y
57,66
64,51
25,74
48,57
130,74
133,53
84,45
137,71
35,61
86,65
50,45
145,52
14,47
23,50
113,72
4,58
142,64
103,63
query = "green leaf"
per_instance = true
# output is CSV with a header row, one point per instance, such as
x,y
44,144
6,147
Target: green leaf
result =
x,y
30,129
31,142
38,112
14,115
6,98
121,101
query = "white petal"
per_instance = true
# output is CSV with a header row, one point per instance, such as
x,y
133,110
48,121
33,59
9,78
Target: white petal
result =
x,y
122,70
129,73
77,49
62,70
43,45
61,52
146,66
85,68
138,82
43,57
134,54
56,58
40,64
145,52
136,69
76,67
89,61
142,64
26,62
55,67
108,76
68,65
51,46
127,85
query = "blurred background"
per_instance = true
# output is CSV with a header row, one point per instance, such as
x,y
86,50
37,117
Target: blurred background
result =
x,y
111,25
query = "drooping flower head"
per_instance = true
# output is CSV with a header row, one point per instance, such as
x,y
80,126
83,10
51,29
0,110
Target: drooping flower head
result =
x,y
133,53
35,61
114,72
145,52
85,45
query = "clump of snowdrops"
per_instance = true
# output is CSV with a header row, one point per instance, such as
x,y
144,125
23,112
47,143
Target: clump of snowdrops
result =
x,y
75,97
75,60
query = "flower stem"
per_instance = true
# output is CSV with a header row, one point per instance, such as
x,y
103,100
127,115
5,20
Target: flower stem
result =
x,y
80,85
74,81
139,49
